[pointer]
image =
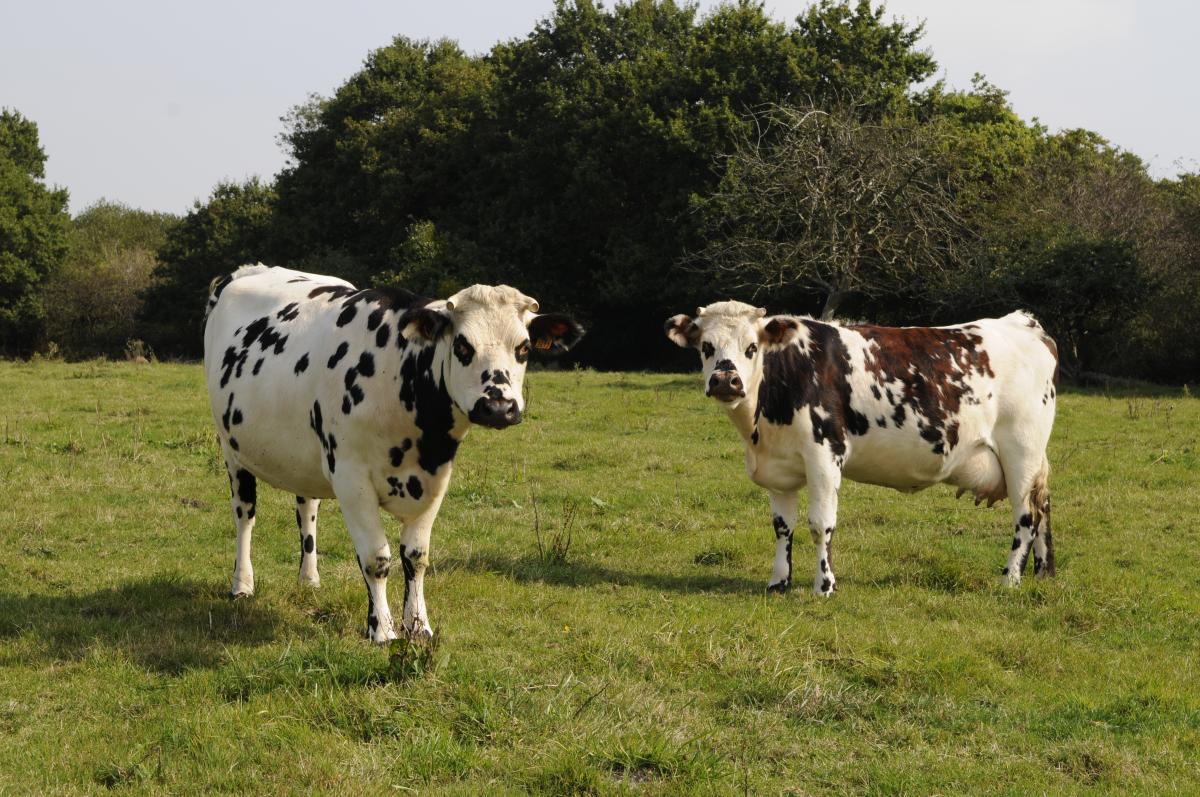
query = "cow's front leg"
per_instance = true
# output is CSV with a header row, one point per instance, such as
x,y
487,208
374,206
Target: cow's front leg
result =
x,y
414,556
824,481
783,511
361,509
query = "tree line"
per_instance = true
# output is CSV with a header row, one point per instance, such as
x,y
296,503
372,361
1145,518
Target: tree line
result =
x,y
628,163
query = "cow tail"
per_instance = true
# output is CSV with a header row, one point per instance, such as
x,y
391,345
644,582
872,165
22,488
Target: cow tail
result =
x,y
214,292
219,284
1039,505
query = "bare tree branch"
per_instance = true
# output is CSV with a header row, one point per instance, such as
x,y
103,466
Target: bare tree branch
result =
x,y
824,200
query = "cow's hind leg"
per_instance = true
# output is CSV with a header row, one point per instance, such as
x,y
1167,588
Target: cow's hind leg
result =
x,y
243,489
824,481
374,560
1030,497
306,522
783,511
1043,538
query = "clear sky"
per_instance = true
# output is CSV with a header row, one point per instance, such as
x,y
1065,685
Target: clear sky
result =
x,y
152,102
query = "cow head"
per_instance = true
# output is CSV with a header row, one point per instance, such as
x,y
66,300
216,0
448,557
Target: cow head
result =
x,y
490,331
726,335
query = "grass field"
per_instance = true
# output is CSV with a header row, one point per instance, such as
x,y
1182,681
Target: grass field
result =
x,y
650,661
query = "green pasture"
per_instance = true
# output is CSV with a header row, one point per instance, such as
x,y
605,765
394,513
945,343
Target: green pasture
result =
x,y
642,657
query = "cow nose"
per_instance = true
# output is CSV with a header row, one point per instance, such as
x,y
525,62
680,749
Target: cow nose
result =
x,y
726,386
496,413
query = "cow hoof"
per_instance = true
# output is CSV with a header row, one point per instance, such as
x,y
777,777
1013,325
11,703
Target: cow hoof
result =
x,y
1011,580
382,636
310,581
778,588
239,594
824,588
420,633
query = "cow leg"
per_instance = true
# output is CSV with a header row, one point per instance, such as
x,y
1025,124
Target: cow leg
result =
x,y
783,510
361,511
243,492
824,481
414,556
306,522
1043,544
1030,497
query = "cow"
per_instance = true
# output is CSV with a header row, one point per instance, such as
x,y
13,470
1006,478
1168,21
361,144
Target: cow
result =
x,y
903,407
328,391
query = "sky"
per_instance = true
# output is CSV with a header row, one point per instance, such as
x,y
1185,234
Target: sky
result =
x,y
152,102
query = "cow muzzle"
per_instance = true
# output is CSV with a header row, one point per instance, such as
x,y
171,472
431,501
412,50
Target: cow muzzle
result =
x,y
725,386
495,413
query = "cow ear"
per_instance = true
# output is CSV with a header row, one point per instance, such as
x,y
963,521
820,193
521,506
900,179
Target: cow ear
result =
x,y
423,323
683,331
778,331
553,333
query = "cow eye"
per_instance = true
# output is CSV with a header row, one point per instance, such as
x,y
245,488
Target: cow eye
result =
x,y
523,352
463,350
708,349
751,350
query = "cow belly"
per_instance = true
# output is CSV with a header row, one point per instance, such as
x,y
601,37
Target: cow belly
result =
x,y
275,440
294,466
900,469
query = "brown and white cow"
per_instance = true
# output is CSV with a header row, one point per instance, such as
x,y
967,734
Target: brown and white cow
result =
x,y
906,407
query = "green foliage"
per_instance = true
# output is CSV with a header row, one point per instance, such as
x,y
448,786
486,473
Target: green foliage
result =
x,y
564,161
987,146
1078,235
1086,290
390,148
644,665
426,263
95,296
233,228
33,232
408,659
589,161
856,56
1164,342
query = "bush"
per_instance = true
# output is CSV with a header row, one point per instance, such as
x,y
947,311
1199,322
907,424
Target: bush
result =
x,y
94,298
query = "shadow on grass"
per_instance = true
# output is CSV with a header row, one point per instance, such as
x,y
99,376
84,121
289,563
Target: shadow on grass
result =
x,y
530,569
164,624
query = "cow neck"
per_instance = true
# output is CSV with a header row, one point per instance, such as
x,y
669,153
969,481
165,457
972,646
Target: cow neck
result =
x,y
743,414
440,424
441,362
437,369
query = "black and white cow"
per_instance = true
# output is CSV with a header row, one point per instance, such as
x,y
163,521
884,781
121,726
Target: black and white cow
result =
x,y
327,391
969,405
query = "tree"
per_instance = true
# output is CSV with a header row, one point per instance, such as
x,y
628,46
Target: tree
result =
x,y
564,161
396,144
828,201
854,55
96,292
1080,237
33,231
234,227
